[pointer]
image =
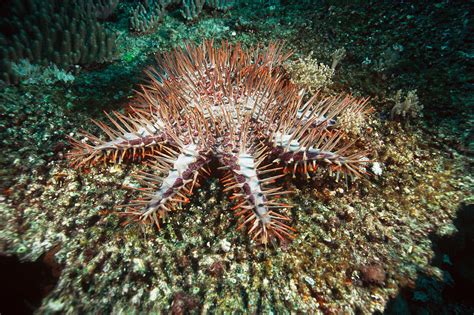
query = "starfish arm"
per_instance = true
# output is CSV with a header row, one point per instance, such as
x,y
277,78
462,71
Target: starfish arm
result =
x,y
316,149
183,167
256,204
133,138
326,113
310,139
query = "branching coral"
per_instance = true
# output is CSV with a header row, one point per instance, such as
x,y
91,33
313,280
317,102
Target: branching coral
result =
x,y
192,9
410,106
47,32
354,120
309,73
35,74
337,56
101,9
146,17
221,5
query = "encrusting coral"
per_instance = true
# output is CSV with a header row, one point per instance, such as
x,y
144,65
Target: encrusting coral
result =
x,y
236,107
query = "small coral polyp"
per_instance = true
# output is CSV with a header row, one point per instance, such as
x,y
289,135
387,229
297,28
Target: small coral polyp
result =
x,y
237,106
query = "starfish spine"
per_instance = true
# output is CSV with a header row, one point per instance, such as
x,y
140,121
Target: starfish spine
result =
x,y
237,107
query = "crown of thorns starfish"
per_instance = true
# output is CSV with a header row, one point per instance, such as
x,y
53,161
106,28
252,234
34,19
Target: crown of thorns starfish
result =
x,y
235,106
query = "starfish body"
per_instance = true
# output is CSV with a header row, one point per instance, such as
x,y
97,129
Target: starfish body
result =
x,y
235,106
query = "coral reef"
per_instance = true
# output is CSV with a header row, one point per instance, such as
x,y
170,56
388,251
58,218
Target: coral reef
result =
x,y
396,238
337,56
356,121
145,18
35,74
192,9
373,274
409,107
46,32
221,5
101,9
309,73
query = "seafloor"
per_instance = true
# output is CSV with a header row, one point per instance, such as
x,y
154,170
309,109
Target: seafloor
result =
x,y
399,242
